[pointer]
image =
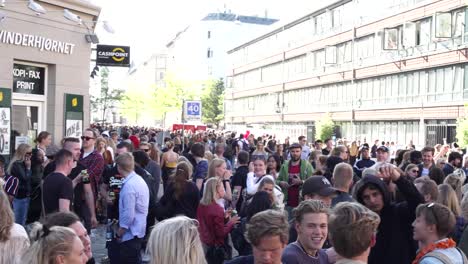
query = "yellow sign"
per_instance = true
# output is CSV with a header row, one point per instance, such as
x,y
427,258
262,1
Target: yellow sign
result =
x,y
117,59
1,96
75,102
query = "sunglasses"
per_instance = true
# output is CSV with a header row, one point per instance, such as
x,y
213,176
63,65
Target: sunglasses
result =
x,y
28,153
86,138
146,150
415,171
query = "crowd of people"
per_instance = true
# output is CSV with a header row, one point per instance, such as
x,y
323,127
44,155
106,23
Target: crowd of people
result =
x,y
214,197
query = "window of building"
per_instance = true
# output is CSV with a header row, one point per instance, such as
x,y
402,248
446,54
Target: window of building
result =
x,y
458,23
209,53
209,34
423,31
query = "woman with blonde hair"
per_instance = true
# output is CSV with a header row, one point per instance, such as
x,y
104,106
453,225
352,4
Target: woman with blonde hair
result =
x,y
176,240
211,216
218,168
456,181
101,147
448,197
57,245
20,167
13,238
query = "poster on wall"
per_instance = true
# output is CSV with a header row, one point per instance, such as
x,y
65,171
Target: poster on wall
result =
x,y
5,130
74,128
22,140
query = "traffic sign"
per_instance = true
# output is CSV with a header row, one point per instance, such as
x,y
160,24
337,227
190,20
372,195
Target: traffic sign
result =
x,y
193,110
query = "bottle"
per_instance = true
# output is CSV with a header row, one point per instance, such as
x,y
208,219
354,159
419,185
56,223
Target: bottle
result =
x,y
109,230
235,194
85,178
112,196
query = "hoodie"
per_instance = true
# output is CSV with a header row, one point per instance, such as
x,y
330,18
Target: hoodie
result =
x,y
394,242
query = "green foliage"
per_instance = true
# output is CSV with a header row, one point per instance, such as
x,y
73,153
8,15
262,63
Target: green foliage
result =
x,y
213,103
151,101
107,96
462,129
324,127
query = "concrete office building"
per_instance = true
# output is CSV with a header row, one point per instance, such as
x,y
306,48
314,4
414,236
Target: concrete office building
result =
x,y
388,70
199,52
44,54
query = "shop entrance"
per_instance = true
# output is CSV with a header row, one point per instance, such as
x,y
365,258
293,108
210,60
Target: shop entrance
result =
x,y
27,120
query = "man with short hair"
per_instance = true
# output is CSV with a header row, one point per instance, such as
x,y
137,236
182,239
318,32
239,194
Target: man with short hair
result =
x,y
427,188
57,189
219,153
374,149
311,223
428,161
395,228
383,154
305,149
83,198
92,159
342,181
292,175
239,180
267,232
133,210
328,147
318,144
454,162
71,220
352,232
364,163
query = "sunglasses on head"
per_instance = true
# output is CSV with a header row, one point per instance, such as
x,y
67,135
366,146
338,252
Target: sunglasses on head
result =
x,y
86,138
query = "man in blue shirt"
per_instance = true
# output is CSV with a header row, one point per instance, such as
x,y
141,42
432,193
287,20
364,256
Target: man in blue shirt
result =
x,y
133,210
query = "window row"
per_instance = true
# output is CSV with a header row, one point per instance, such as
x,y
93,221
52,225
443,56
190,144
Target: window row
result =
x,y
447,84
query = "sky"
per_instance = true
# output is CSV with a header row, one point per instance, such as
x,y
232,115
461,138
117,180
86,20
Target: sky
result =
x,y
148,25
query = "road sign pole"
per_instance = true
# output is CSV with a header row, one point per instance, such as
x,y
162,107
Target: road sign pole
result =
x,y
183,125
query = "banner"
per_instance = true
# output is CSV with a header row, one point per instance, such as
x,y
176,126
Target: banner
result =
x,y
28,79
110,55
5,130
74,128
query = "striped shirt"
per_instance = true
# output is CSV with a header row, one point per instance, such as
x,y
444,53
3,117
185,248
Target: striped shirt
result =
x,y
11,185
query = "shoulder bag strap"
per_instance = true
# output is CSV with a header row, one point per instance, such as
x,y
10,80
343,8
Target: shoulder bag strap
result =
x,y
440,256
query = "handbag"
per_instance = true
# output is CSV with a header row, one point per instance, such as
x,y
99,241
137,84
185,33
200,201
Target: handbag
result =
x,y
216,254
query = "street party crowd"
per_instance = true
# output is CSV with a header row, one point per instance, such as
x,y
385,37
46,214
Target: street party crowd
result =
x,y
214,197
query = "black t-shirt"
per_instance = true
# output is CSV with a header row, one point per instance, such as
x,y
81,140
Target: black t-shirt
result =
x,y
325,151
78,196
240,179
56,186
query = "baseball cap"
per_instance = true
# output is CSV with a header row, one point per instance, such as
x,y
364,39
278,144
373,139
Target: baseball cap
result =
x,y
318,185
383,148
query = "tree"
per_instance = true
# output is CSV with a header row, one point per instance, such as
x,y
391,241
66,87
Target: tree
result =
x,y
213,103
462,129
325,127
107,96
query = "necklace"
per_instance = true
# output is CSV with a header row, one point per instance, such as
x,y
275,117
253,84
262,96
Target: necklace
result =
x,y
305,251
446,243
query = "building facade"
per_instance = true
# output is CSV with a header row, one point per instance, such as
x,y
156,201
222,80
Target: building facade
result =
x,y
387,70
199,52
44,69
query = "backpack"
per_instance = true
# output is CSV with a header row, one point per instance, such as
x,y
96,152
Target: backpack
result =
x,y
245,146
443,258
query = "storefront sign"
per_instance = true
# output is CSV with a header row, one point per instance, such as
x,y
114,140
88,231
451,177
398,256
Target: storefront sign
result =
x,y
21,140
109,55
73,115
5,130
28,79
74,128
34,41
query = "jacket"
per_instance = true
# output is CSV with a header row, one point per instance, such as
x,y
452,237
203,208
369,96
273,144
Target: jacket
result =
x,y
306,172
212,228
18,170
421,166
361,164
394,243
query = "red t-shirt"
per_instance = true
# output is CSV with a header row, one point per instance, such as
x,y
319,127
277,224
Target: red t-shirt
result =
x,y
293,191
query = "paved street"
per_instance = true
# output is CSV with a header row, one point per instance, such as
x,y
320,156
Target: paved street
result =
x,y
98,243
